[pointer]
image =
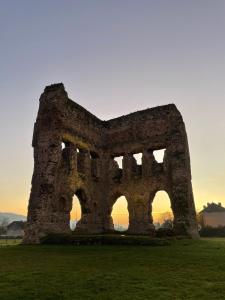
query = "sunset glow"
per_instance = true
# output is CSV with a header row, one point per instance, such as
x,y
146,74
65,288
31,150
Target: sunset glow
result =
x,y
113,62
161,209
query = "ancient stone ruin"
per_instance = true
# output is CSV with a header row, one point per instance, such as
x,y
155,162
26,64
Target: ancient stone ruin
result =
x,y
74,154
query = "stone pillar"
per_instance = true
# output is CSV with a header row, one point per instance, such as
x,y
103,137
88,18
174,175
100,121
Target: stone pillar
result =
x,y
84,162
69,154
129,166
180,190
95,167
147,163
47,141
140,221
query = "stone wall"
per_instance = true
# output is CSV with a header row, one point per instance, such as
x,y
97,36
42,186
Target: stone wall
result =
x,y
74,153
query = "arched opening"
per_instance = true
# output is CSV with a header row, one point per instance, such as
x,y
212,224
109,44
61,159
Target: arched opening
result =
x,y
63,145
79,208
162,213
75,213
120,214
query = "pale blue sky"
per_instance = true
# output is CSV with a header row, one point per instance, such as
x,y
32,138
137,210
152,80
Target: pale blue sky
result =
x,y
114,57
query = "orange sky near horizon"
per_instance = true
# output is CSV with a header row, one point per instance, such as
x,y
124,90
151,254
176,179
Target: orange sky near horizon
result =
x,y
161,203
21,189
120,59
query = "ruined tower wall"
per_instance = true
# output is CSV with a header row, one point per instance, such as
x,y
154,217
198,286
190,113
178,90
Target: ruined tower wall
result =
x,y
74,155
143,132
59,172
82,127
151,128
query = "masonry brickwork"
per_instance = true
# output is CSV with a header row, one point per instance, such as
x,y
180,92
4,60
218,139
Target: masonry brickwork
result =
x,y
74,154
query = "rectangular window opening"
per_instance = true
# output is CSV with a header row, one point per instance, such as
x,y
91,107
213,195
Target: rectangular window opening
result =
x,y
138,158
159,155
119,160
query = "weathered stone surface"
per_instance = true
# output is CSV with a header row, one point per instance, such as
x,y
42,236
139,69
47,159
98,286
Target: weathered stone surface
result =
x,y
86,167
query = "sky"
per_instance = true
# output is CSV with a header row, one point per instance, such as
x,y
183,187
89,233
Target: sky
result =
x,y
114,57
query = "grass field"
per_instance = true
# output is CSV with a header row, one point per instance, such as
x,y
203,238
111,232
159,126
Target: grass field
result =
x,y
184,270
9,242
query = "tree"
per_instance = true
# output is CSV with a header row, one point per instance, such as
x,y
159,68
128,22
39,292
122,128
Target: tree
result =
x,y
167,224
3,226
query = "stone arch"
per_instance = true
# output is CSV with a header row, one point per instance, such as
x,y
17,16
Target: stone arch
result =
x,y
84,200
169,212
114,196
112,199
120,214
75,213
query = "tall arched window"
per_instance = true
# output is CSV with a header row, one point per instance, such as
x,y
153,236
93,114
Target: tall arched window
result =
x,y
75,213
161,210
120,214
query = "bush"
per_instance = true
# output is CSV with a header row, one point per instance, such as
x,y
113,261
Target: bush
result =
x,y
72,239
209,231
164,232
3,230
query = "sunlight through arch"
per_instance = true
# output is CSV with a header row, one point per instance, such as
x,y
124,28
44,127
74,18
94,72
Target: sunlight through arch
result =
x,y
120,214
161,208
75,213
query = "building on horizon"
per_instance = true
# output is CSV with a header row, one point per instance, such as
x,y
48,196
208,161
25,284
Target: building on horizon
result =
x,y
16,228
212,215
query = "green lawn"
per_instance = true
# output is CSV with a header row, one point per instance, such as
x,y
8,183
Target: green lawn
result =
x,y
184,270
9,242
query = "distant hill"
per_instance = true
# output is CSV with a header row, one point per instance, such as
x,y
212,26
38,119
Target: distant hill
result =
x,y
11,217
